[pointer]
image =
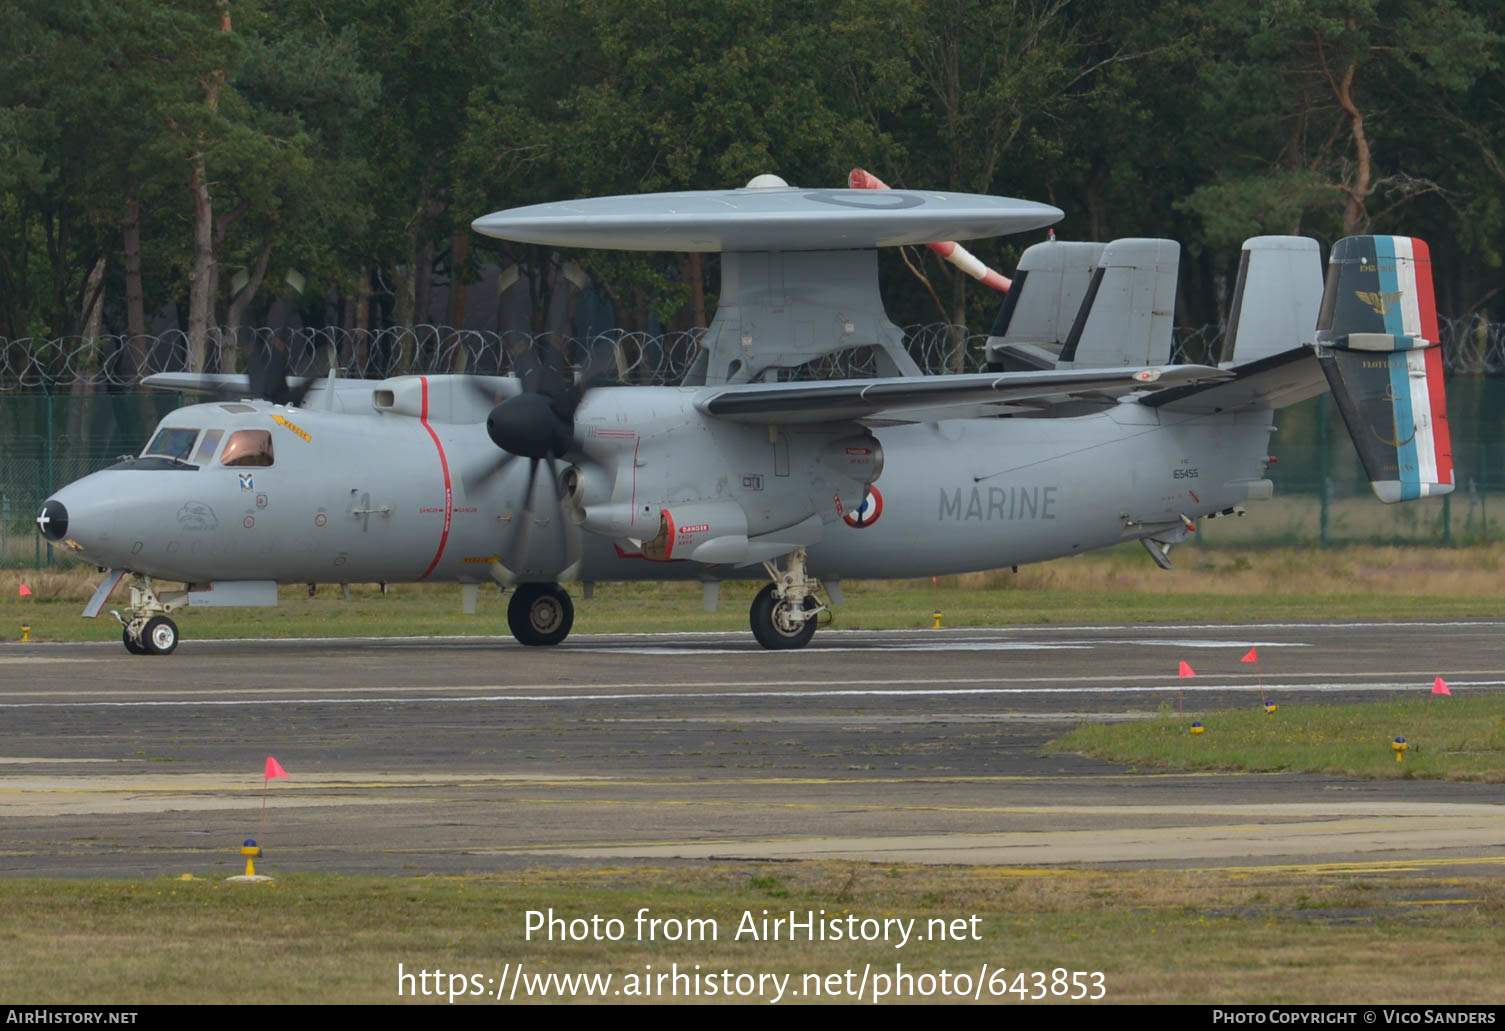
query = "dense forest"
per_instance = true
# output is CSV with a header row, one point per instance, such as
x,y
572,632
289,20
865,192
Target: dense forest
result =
x,y
196,156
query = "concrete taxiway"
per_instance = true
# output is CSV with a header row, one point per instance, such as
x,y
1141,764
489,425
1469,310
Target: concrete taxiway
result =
x,y
465,755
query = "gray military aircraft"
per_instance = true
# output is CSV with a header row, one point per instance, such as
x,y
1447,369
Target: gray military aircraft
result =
x,y
1080,435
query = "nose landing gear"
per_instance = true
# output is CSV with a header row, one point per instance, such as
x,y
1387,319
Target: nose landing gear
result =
x,y
149,631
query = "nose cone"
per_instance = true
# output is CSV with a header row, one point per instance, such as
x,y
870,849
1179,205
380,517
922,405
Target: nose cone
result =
x,y
52,521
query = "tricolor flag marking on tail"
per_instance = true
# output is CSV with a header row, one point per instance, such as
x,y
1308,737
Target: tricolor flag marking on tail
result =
x,y
1379,301
1424,444
1405,272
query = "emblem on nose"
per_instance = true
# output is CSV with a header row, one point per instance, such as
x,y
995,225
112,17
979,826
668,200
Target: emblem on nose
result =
x,y
53,520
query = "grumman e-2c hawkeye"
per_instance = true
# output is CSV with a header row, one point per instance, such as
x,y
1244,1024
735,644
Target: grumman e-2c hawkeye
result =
x,y
1080,436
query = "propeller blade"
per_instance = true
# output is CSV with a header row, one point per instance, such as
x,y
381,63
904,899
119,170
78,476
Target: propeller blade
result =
x,y
476,481
573,545
274,376
517,559
600,365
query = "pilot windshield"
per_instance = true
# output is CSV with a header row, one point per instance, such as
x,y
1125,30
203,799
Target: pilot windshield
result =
x,y
248,447
172,442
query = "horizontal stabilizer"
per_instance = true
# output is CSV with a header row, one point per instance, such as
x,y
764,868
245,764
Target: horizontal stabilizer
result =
x,y
1274,381
1377,343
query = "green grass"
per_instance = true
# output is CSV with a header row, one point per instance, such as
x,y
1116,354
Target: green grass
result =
x,y
1461,738
1252,935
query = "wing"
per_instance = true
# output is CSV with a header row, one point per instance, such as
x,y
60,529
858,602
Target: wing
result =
x,y
786,403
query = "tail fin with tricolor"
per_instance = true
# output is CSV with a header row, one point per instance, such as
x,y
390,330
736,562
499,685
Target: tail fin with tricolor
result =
x,y
1377,342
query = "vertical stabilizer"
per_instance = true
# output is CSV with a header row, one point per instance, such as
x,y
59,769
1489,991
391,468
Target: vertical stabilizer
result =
x,y
1037,314
1377,340
1126,316
1276,298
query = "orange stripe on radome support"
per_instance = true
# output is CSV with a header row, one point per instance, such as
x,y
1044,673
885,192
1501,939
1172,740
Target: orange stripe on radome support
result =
x,y
449,493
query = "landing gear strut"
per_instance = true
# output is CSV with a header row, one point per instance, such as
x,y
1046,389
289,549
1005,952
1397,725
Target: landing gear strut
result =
x,y
540,614
149,631
784,613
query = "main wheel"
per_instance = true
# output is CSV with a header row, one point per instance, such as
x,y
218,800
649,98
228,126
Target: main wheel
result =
x,y
540,614
132,645
160,636
775,626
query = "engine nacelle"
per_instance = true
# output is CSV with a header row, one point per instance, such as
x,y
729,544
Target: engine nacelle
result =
x,y
863,458
712,532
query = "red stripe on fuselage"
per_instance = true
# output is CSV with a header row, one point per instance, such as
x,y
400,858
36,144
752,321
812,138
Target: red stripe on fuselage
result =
x,y
1442,438
449,493
1426,300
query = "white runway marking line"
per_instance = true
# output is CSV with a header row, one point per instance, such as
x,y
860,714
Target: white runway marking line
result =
x,y
712,695
966,645
1241,681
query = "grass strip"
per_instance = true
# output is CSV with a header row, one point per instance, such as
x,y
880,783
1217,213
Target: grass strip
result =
x,y
1447,738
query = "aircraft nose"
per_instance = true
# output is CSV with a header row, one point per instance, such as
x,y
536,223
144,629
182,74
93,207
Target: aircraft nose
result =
x,y
53,520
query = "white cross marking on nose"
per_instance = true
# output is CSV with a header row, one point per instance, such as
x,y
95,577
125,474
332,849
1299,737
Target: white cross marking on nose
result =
x,y
43,520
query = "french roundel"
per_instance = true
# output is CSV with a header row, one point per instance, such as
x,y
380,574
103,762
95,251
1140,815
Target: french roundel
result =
x,y
868,512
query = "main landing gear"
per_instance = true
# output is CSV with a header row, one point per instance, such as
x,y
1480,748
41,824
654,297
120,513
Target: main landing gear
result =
x,y
784,614
149,631
540,614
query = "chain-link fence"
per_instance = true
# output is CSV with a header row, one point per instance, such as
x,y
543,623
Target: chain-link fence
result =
x,y
71,406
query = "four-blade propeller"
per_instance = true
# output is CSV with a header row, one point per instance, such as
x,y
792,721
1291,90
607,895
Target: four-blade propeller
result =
x,y
539,424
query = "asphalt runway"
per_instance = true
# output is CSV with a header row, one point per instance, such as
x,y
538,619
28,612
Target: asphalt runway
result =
x,y
468,755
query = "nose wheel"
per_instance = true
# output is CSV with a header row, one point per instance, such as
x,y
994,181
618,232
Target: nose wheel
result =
x,y
540,614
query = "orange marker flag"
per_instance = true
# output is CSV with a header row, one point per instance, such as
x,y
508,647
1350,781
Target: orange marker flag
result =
x,y
1251,657
25,591
1440,686
274,770
1186,670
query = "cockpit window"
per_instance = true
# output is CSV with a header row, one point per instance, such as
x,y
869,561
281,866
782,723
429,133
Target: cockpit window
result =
x,y
211,440
248,447
172,442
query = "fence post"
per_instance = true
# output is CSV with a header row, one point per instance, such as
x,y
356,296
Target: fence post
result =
x,y
1324,483
36,562
50,460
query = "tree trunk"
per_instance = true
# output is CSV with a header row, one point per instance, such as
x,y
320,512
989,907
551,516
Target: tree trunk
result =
x,y
459,251
200,276
203,277
135,294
